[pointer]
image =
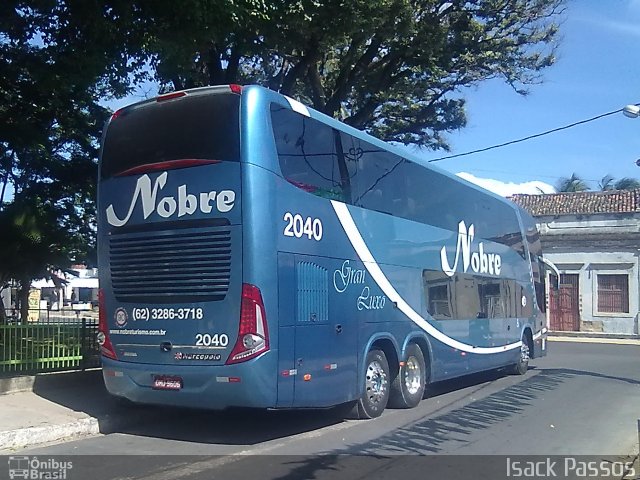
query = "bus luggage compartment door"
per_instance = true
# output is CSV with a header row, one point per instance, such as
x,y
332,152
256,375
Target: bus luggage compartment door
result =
x,y
324,331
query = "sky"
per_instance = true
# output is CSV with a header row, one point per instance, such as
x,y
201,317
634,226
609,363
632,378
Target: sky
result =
x,y
597,71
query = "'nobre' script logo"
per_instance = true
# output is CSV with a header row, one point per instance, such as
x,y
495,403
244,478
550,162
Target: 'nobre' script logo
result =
x,y
480,262
186,203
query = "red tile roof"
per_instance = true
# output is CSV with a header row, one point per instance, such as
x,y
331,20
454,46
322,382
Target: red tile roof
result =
x,y
613,201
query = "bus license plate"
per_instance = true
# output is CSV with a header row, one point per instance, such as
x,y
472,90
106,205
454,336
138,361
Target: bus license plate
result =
x,y
163,382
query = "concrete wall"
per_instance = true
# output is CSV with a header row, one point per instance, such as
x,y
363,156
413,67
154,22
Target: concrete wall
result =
x,y
587,266
593,245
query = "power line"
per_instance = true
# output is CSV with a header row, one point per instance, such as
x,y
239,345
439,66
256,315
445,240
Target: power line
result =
x,y
597,117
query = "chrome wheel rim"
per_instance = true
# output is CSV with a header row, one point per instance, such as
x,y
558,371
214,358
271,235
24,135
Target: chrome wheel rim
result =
x,y
412,376
376,382
524,351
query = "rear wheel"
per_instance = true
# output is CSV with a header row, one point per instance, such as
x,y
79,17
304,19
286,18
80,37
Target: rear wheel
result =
x,y
346,410
522,366
376,385
408,387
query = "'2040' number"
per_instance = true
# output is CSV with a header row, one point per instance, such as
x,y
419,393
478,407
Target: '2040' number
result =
x,y
215,340
298,227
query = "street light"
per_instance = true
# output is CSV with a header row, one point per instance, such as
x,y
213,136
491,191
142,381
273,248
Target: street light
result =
x,y
631,111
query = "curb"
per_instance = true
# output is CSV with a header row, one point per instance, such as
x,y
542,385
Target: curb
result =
x,y
615,336
85,427
52,380
600,340
32,436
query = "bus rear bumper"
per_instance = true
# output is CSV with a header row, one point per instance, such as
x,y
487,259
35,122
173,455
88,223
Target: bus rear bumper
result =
x,y
211,387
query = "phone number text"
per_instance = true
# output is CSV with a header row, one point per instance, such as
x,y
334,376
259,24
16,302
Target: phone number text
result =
x,y
167,314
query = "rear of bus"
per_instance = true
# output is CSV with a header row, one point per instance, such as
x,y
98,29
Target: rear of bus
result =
x,y
177,324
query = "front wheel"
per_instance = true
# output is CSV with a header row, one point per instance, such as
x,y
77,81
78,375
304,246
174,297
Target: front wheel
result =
x,y
522,366
376,385
408,388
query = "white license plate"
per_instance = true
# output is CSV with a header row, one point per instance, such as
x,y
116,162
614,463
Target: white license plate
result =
x,y
162,382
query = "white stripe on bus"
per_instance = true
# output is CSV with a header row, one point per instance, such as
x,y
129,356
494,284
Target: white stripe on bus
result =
x,y
381,280
296,106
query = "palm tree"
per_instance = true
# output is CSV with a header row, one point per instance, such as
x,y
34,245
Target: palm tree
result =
x,y
572,184
627,183
606,183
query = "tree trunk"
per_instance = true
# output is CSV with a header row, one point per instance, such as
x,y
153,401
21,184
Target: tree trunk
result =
x,y
3,316
23,299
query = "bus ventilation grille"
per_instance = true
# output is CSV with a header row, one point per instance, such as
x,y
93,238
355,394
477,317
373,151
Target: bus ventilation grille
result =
x,y
171,266
313,293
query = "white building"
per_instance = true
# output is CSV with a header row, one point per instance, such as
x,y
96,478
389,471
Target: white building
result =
x,y
80,292
594,240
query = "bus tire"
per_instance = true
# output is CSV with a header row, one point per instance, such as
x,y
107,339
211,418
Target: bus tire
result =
x,y
408,387
346,411
522,366
375,396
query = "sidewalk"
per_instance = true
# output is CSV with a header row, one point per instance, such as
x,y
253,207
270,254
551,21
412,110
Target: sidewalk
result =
x,y
52,407
48,408
594,337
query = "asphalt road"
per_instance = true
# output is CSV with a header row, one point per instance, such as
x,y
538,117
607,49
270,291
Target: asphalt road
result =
x,y
583,399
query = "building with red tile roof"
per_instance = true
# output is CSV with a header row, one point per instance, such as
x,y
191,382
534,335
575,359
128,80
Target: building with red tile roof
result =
x,y
594,240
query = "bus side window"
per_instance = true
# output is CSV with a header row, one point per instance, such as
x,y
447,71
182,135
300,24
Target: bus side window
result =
x,y
307,153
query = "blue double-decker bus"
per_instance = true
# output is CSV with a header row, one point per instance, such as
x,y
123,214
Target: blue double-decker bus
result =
x,y
254,252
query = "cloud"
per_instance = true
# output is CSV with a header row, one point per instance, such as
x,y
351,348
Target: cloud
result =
x,y
621,27
622,21
505,189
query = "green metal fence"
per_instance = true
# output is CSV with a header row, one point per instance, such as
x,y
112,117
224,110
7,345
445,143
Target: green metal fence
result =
x,y
51,343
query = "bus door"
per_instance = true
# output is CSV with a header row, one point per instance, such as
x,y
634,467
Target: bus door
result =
x,y
318,344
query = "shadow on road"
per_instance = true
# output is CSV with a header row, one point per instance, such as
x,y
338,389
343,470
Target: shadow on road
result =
x,y
426,436
250,427
86,393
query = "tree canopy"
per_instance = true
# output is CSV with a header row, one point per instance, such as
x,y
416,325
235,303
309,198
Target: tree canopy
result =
x,y
392,67
57,61
575,183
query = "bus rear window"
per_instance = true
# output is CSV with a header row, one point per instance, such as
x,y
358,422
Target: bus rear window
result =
x,y
204,126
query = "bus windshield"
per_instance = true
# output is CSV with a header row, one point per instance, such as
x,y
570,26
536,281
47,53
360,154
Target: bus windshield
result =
x,y
193,127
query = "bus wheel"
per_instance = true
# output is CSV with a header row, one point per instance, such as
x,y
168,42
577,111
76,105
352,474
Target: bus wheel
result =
x,y
522,366
348,410
408,388
376,385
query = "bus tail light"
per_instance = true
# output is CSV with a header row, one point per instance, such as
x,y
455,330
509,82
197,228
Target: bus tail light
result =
x,y
253,335
106,347
170,96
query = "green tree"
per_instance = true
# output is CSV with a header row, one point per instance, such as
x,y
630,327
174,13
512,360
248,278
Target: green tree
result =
x,y
392,67
607,183
627,183
572,184
58,59
33,245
